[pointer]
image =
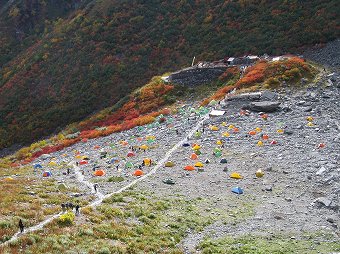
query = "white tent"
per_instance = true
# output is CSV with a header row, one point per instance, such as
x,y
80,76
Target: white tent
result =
x,y
216,113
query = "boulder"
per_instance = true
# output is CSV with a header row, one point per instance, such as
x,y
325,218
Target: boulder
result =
x,y
264,106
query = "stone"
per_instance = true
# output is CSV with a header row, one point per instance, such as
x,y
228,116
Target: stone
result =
x,y
268,188
300,103
268,95
264,106
321,171
323,201
330,220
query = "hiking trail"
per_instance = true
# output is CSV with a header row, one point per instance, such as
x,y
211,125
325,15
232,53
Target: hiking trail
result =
x,y
101,196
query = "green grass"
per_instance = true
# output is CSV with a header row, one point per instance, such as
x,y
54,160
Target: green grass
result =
x,y
275,244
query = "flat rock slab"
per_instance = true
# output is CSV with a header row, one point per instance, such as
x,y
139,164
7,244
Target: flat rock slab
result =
x,y
264,106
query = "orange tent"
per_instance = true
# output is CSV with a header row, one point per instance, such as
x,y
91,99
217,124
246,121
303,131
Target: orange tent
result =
x,y
189,168
252,133
99,172
194,156
138,172
96,147
84,140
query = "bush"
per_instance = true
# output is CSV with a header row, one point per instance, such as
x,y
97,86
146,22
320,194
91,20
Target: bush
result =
x,y
116,179
66,219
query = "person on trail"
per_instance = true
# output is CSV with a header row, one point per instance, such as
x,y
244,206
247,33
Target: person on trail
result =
x,y
77,163
68,171
95,187
21,226
143,163
70,205
117,167
140,167
150,162
77,209
63,207
203,130
177,132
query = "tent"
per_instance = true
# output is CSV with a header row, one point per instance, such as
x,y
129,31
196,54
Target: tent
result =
x,y
224,160
96,147
212,103
147,161
113,160
47,174
9,179
214,128
52,163
62,187
99,172
198,134
215,113
186,145
130,154
83,162
138,172
194,156
129,165
237,190
226,134
197,152
78,156
84,140
207,161
169,164
218,154
37,166
196,147
219,142
85,157
236,175
143,147
189,168
199,164
259,173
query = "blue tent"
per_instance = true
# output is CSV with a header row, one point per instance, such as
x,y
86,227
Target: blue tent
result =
x,y
223,160
114,160
237,190
186,144
37,166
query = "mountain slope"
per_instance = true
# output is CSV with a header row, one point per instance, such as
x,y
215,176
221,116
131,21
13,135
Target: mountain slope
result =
x,y
104,51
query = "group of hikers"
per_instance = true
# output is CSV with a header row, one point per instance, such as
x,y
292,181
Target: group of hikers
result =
x,y
70,206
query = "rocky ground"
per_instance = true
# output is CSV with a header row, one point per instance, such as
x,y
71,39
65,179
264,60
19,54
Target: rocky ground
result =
x,y
299,191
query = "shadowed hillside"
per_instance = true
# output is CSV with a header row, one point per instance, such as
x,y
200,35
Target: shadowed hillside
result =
x,y
100,53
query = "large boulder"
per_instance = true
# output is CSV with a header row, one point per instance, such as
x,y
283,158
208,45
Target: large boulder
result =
x,y
264,106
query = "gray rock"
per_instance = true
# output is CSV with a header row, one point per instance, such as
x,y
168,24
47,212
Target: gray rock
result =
x,y
264,106
323,201
268,95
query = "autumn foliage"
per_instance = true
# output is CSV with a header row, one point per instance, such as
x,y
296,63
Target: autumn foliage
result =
x,y
265,72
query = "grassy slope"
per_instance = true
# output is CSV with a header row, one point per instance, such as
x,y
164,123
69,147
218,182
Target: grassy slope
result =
x,y
97,56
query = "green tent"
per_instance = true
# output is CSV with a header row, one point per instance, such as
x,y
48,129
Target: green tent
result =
x,y
129,165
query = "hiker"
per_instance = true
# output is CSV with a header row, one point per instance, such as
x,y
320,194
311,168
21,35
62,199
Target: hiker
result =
x,y
63,207
150,162
140,167
117,167
77,163
95,187
143,163
70,205
177,132
77,209
21,226
203,130
68,171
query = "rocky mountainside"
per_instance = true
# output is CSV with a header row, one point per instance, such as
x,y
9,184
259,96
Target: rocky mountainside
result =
x,y
191,182
64,60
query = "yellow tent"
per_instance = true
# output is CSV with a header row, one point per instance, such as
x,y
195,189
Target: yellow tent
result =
x,y
236,175
258,129
78,156
260,143
198,164
224,124
144,147
219,142
169,164
214,128
52,163
231,127
226,134
8,179
147,162
196,147
259,173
